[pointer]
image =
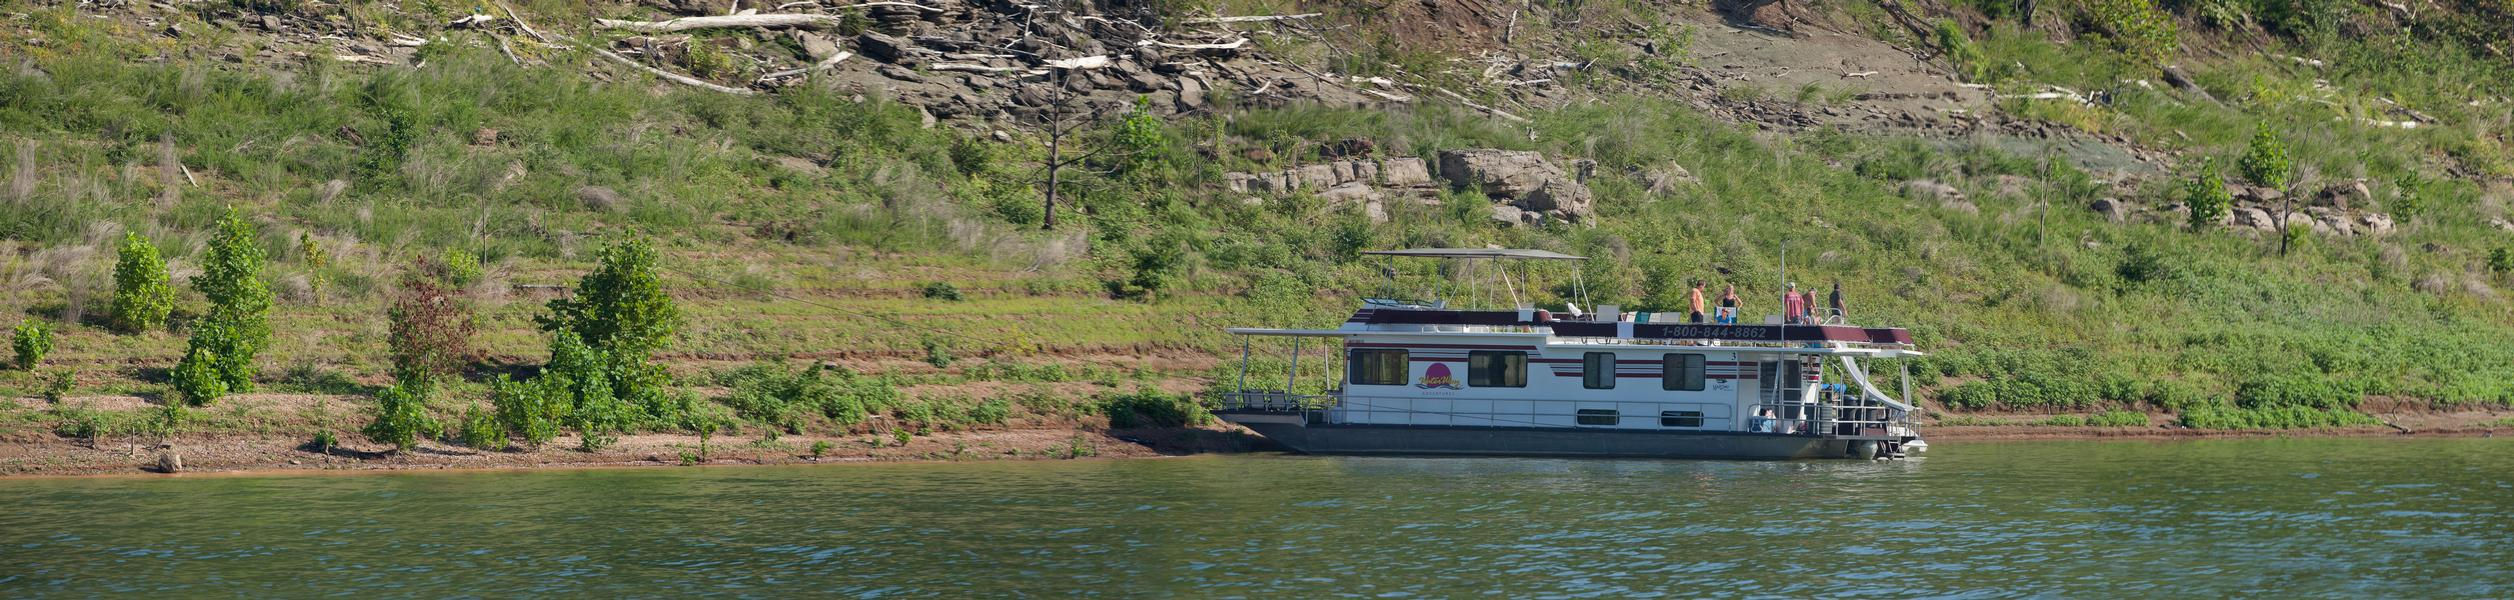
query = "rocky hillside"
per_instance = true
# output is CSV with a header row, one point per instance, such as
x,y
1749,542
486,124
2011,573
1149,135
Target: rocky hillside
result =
x,y
864,183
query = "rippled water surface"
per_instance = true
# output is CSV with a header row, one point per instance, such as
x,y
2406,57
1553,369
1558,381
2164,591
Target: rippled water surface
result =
x,y
2427,518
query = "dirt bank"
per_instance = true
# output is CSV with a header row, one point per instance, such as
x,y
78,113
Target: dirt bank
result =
x,y
44,454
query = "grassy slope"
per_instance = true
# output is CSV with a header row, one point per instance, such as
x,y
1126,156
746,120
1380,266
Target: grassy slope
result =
x,y
2030,299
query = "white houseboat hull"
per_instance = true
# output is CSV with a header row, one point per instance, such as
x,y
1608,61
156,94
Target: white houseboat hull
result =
x,y
1542,441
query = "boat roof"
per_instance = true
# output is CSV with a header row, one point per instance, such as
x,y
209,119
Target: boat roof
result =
x,y
1511,253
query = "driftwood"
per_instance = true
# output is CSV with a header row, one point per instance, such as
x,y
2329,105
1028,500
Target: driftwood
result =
x,y
671,76
1252,19
825,63
1232,45
1487,109
973,68
730,21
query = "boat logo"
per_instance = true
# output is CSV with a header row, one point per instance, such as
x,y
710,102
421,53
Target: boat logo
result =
x,y
1437,377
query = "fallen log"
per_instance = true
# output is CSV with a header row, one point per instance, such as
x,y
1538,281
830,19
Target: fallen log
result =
x,y
832,61
740,21
1248,19
671,76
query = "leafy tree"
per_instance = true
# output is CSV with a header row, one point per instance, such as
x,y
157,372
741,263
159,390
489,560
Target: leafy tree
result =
x,y
401,418
430,325
196,378
2206,194
240,304
141,295
32,341
2265,162
620,307
1138,142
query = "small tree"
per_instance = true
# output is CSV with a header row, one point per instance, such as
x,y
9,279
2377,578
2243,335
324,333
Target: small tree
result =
x,y
401,418
2206,194
240,304
429,327
2265,162
32,341
620,307
318,262
141,295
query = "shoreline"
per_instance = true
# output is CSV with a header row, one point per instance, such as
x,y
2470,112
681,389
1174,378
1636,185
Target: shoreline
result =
x,y
45,456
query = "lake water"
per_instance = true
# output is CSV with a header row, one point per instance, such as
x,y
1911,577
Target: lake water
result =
x,y
2312,517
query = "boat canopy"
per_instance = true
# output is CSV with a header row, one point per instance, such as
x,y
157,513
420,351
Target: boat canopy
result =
x,y
1511,253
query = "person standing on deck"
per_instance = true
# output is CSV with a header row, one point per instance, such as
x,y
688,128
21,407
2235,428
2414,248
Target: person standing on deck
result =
x,y
1728,305
1793,305
1835,303
1694,299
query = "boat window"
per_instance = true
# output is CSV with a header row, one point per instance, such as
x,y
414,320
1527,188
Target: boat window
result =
x,y
1597,416
1680,418
1597,370
1377,367
1497,369
1683,372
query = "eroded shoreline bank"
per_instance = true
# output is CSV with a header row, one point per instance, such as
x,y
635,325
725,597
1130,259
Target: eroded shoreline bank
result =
x,y
47,455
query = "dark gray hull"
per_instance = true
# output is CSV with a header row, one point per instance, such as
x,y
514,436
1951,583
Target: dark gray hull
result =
x,y
1531,441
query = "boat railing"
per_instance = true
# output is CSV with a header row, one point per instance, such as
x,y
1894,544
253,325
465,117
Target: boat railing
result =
x,y
1274,401
1852,418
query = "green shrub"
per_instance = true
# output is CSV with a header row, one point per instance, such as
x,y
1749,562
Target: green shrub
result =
x,y
820,448
2206,194
2501,259
481,430
58,385
196,379
2308,390
937,352
32,340
2065,421
2117,418
2136,28
942,290
2265,160
1961,53
534,410
584,374
401,418
616,320
461,269
1972,395
1150,408
142,296
324,442
2277,417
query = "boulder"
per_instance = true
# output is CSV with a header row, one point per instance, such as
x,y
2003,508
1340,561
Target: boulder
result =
x,y
2254,218
1666,177
1363,171
1506,214
2113,209
876,46
1353,192
2501,224
1237,182
1925,189
2377,223
1404,171
1316,177
2338,224
1375,210
1563,199
1501,173
1191,94
816,45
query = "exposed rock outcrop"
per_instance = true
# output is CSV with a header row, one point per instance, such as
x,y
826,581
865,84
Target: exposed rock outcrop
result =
x,y
1522,179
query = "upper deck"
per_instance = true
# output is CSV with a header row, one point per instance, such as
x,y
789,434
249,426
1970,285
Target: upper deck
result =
x,y
1407,319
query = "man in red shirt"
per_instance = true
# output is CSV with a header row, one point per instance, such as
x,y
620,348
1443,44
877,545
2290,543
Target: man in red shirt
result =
x,y
1793,305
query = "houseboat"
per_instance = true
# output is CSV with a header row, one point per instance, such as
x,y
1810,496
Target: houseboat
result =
x,y
1422,378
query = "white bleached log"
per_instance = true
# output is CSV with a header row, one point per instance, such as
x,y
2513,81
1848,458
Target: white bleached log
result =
x,y
671,76
738,21
1246,19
